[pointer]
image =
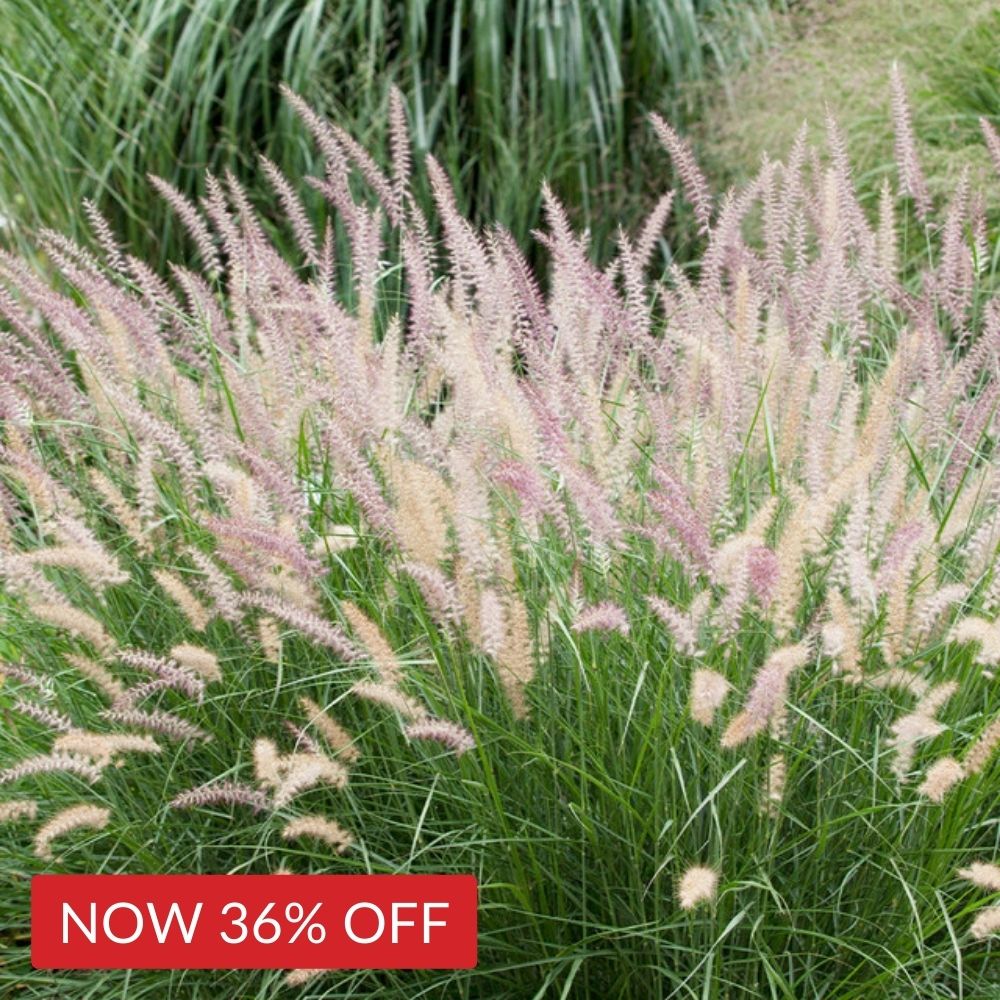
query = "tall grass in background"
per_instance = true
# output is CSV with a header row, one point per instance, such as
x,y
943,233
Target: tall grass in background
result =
x,y
94,96
965,82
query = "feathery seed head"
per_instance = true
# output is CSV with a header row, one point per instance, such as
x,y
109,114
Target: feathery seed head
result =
x,y
697,885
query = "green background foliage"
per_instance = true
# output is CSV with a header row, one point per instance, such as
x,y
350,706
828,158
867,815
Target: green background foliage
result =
x,y
94,96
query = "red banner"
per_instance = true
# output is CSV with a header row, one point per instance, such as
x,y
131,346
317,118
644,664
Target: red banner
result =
x,y
253,921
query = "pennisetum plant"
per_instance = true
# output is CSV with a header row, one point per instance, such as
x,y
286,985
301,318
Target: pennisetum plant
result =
x,y
691,568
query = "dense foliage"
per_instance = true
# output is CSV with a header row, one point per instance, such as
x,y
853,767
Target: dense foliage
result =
x,y
665,607
507,95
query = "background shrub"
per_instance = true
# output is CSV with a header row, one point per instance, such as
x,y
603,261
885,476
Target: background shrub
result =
x,y
505,94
